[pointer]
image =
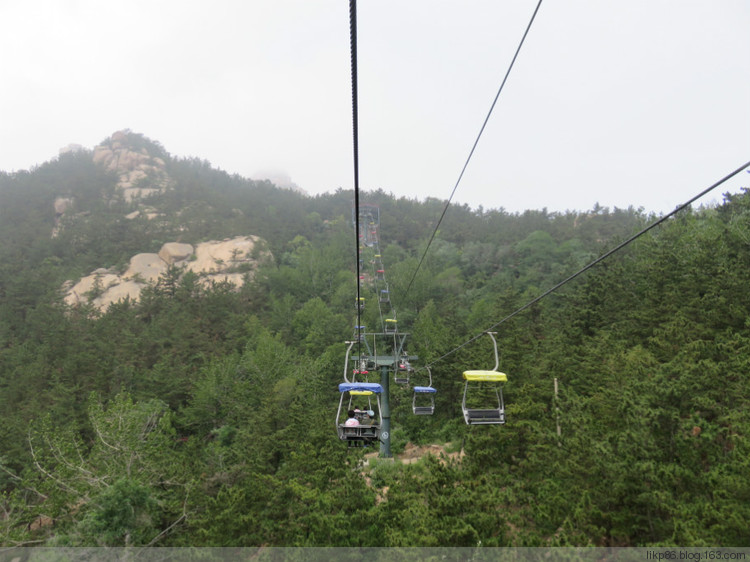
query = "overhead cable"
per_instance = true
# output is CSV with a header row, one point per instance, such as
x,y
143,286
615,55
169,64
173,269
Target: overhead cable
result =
x,y
597,260
355,131
473,148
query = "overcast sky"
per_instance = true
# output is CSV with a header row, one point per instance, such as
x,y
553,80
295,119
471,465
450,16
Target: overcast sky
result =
x,y
620,102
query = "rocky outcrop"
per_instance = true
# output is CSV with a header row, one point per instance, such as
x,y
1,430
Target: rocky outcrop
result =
x,y
140,173
146,267
231,260
280,179
62,205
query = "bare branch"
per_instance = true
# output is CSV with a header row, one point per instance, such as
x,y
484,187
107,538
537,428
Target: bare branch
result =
x,y
99,433
177,521
59,482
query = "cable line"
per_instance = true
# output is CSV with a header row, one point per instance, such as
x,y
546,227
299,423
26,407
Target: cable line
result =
x,y
597,260
355,132
473,148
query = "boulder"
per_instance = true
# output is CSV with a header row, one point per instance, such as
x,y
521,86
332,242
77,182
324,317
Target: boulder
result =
x,y
173,252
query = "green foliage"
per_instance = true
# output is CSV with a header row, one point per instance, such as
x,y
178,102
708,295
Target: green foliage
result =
x,y
123,516
204,415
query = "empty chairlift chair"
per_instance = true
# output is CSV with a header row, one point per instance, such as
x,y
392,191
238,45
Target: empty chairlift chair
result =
x,y
385,296
482,402
359,333
391,326
423,402
489,413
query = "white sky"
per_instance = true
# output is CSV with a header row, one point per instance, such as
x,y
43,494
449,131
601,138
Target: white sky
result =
x,y
621,102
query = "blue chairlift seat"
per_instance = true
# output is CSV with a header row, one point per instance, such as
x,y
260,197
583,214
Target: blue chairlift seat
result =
x,y
425,406
359,333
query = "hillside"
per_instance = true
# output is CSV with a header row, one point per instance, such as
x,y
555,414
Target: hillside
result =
x,y
199,409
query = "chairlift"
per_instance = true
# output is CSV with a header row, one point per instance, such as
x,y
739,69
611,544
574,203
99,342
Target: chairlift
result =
x,y
494,415
403,369
423,401
361,303
385,296
363,372
380,274
367,429
359,333
391,326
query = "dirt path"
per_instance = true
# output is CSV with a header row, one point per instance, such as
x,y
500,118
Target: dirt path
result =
x,y
412,453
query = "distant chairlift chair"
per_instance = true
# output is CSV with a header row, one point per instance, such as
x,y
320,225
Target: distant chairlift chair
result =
x,y
474,379
425,405
359,333
402,372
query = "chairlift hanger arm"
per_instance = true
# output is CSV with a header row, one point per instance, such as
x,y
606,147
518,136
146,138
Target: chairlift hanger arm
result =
x,y
346,363
494,344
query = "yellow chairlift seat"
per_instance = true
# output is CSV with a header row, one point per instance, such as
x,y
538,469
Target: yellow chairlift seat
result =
x,y
485,415
489,376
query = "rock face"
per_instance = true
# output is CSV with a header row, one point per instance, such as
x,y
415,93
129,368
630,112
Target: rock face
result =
x,y
140,174
215,261
146,267
62,205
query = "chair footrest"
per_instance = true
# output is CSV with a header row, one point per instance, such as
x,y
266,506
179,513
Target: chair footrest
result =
x,y
484,416
424,410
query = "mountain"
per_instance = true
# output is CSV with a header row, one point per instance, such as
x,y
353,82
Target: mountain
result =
x,y
172,338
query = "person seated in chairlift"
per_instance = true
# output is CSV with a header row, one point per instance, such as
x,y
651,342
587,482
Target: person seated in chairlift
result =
x,y
361,416
352,421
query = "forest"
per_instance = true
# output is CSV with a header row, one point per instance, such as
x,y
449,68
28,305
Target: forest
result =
x,y
204,415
